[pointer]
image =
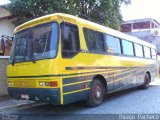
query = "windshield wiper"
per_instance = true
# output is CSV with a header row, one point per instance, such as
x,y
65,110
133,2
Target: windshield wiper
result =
x,y
32,58
13,61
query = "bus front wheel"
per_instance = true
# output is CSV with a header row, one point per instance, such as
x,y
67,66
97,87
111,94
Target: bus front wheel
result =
x,y
146,81
96,94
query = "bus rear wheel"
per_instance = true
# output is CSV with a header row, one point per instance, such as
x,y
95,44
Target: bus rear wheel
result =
x,y
146,81
95,97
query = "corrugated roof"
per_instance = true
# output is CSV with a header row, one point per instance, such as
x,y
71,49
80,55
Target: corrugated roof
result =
x,y
141,20
6,16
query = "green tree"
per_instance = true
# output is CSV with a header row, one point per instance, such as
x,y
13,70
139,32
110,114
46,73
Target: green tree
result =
x,y
105,12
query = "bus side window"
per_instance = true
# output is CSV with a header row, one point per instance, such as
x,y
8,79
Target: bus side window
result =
x,y
138,50
153,51
99,41
70,40
94,40
112,44
147,52
127,48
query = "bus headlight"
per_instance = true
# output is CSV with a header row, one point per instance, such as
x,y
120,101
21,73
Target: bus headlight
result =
x,y
10,84
49,84
41,83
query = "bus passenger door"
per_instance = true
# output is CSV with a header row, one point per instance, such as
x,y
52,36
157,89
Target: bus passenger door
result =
x,y
70,50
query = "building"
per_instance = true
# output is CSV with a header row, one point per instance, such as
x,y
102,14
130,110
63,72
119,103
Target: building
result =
x,y
145,29
6,27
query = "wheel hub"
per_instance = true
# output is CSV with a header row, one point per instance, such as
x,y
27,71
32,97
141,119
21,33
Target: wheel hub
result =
x,y
98,94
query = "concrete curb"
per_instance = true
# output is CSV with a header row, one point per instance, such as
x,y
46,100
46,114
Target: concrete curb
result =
x,y
4,97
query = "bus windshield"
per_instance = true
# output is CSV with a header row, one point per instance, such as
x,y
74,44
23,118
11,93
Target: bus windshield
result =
x,y
35,43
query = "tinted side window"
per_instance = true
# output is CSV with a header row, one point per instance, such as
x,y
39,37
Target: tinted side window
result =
x,y
94,40
112,44
90,40
147,52
71,44
138,50
153,51
99,41
21,42
127,48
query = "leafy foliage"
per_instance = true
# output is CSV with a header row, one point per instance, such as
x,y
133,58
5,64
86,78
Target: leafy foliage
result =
x,y
106,12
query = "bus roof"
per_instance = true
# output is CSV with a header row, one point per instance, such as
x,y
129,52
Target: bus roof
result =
x,y
84,23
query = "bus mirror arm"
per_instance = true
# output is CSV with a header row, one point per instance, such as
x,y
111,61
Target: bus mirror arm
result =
x,y
13,61
65,32
32,58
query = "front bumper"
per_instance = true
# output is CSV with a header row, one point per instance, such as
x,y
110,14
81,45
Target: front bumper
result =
x,y
51,96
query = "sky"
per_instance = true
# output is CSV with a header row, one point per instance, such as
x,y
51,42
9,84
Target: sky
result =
x,y
2,2
138,9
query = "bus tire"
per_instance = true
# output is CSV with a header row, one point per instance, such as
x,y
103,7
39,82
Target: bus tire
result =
x,y
146,81
96,94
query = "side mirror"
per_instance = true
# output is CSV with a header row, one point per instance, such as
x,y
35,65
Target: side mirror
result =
x,y
65,32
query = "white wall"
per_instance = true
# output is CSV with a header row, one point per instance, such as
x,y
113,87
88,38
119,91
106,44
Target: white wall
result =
x,y
3,78
6,27
4,12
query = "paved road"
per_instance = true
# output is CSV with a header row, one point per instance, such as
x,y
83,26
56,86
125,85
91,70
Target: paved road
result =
x,y
132,101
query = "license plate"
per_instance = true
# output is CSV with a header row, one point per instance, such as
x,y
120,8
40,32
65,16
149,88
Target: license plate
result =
x,y
25,96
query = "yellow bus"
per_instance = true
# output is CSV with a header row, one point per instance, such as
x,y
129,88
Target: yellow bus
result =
x,y
60,59
158,57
